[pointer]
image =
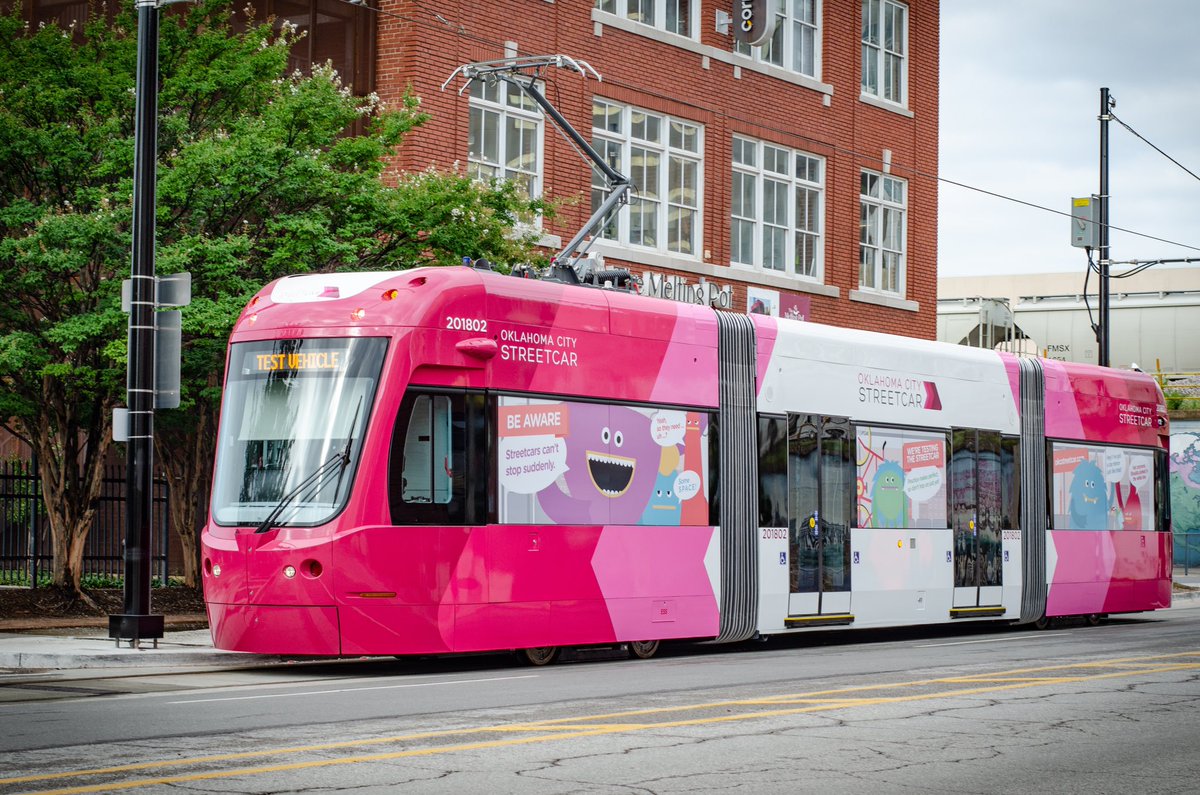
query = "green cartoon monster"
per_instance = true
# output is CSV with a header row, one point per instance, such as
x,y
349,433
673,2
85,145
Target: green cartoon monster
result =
x,y
889,505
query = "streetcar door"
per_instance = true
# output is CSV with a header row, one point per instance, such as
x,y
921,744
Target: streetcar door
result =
x,y
820,507
976,508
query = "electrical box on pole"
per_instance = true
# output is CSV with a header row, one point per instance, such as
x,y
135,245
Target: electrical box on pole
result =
x,y
169,291
1085,231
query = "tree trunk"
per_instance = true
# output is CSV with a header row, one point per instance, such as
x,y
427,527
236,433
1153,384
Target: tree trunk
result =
x,y
71,467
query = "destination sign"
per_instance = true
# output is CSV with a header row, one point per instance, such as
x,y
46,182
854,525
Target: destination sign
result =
x,y
317,360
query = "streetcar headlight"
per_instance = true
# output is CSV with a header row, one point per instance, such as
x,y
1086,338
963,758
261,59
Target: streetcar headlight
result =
x,y
289,571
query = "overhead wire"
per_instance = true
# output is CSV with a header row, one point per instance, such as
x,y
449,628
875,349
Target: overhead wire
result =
x,y
1152,146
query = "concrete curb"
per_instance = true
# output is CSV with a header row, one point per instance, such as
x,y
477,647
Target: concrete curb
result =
x,y
86,661
191,649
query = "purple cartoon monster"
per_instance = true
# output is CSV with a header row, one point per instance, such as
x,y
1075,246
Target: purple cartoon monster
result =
x,y
611,465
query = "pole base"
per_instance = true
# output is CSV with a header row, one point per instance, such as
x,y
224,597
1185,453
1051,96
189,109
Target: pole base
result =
x,y
135,627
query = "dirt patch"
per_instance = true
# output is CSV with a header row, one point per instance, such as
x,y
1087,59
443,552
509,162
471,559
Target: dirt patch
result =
x,y
53,603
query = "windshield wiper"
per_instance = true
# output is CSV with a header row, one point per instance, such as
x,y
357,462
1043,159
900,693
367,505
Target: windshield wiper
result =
x,y
317,480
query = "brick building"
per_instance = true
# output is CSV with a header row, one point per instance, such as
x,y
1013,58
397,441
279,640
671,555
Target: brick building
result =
x,y
788,173
793,176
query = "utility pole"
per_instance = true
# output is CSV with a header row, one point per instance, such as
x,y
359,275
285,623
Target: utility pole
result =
x,y
135,623
1106,103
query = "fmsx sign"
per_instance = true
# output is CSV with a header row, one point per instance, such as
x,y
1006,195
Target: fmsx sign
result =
x,y
753,21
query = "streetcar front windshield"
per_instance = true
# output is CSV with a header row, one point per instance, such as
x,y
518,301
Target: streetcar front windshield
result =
x,y
292,425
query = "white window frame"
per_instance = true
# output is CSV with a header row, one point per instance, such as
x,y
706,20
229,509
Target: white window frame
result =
x,y
885,47
504,103
791,19
757,163
677,17
882,233
628,135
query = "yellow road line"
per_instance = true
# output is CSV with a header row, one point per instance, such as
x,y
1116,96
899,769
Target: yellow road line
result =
x,y
591,725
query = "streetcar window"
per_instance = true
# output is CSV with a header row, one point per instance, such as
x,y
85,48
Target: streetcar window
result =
x,y
963,500
1010,482
427,467
438,470
772,472
574,462
901,478
821,501
977,506
1097,487
293,424
1162,491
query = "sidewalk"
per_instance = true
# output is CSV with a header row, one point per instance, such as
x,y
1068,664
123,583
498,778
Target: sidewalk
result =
x,y
80,644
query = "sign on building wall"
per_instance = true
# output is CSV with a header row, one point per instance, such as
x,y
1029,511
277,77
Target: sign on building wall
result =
x,y
795,307
762,302
753,21
772,302
677,288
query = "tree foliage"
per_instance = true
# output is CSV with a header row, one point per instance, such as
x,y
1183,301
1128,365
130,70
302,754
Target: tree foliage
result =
x,y
257,178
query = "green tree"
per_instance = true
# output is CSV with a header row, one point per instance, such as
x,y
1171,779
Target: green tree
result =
x,y
257,179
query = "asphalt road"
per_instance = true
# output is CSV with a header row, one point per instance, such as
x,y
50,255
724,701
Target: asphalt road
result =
x,y
962,709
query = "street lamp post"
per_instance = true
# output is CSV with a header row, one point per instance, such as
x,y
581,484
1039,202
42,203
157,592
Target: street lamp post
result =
x,y
135,623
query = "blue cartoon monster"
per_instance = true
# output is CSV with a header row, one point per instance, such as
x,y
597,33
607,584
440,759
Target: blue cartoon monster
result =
x,y
663,508
1089,498
889,504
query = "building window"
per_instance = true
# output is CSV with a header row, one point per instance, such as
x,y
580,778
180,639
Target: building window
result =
x,y
796,42
776,209
504,141
672,16
881,232
884,50
661,156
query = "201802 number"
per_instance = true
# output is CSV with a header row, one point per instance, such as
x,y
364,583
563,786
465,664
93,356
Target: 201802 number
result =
x,y
466,324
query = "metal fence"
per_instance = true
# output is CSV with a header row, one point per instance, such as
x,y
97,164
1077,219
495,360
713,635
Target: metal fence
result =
x,y
25,548
1187,551
1182,390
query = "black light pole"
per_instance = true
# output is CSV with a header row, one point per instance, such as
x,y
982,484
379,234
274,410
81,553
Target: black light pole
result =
x,y
1105,331
136,623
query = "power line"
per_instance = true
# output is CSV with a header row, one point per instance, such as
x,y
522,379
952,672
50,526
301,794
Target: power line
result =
x,y
1152,146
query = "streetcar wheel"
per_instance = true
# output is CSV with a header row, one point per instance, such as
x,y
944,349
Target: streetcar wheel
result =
x,y
643,649
540,655
1094,619
1041,623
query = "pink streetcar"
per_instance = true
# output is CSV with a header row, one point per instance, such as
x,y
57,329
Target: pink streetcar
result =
x,y
449,460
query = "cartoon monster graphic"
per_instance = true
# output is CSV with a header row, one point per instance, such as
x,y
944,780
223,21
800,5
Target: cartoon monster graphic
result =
x,y
695,510
1089,498
663,508
889,504
1131,508
607,480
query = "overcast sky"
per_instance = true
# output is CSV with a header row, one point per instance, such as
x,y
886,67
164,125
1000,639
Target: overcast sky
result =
x,y
1020,93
